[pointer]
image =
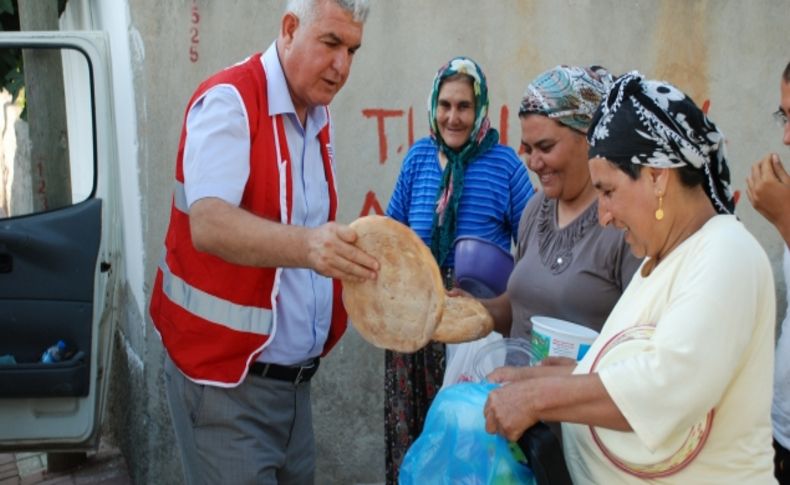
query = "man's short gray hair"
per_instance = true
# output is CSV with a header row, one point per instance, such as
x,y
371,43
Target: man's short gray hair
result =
x,y
305,9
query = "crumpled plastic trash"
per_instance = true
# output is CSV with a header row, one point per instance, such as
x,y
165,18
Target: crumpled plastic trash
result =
x,y
455,449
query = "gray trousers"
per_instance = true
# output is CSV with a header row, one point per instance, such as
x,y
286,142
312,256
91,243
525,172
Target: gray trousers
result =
x,y
260,432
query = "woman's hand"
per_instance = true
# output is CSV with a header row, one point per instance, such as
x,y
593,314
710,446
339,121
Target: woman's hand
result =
x,y
550,366
509,411
456,291
552,361
508,374
583,399
498,307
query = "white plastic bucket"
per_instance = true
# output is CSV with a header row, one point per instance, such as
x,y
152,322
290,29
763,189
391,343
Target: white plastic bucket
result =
x,y
560,338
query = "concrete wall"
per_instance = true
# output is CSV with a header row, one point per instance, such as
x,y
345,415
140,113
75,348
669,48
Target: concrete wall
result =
x,y
727,52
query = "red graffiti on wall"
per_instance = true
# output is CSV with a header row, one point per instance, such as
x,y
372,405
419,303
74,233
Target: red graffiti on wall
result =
x,y
194,34
503,114
371,204
41,186
381,115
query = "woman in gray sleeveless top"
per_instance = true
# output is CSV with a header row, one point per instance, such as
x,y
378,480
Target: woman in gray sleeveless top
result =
x,y
568,266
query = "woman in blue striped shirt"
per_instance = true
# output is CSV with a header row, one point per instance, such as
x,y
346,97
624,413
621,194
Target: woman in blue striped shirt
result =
x,y
459,181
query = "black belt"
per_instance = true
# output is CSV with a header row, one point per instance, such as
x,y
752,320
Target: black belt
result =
x,y
294,374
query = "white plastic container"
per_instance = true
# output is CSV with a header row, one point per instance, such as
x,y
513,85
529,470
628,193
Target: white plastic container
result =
x,y
560,338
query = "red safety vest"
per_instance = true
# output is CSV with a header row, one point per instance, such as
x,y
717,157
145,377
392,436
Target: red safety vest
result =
x,y
215,317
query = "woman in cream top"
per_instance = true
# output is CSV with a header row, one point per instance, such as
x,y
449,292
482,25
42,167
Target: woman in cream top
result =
x,y
677,388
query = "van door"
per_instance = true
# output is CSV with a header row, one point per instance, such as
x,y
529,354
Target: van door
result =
x,y
59,238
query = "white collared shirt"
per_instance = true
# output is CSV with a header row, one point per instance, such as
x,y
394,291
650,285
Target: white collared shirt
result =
x,y
216,164
780,412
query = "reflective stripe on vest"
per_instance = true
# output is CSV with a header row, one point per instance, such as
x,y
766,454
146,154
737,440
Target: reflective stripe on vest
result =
x,y
209,307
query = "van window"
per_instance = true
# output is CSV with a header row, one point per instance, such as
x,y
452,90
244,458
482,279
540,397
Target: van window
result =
x,y
47,153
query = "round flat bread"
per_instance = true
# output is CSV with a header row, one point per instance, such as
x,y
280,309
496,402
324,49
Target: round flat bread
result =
x,y
464,319
400,309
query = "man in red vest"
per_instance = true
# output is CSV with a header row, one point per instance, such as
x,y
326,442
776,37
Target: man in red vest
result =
x,y
247,296
769,193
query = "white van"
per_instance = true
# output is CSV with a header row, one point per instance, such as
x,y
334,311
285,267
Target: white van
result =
x,y
59,239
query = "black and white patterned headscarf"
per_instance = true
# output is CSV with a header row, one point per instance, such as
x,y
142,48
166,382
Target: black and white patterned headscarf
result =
x,y
653,123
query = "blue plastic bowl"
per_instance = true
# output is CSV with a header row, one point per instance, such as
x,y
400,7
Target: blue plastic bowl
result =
x,y
481,267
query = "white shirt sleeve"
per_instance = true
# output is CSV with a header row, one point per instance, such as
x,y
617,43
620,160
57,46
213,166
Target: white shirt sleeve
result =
x,y
217,147
700,343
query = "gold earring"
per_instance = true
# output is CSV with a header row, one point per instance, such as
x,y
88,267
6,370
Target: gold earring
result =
x,y
660,210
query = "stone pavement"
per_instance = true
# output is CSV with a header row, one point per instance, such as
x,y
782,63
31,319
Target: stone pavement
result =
x,y
105,466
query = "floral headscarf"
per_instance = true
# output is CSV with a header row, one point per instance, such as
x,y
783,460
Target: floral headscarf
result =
x,y
568,94
653,123
481,139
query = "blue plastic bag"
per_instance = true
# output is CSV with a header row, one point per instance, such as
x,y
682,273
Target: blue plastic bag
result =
x,y
454,447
